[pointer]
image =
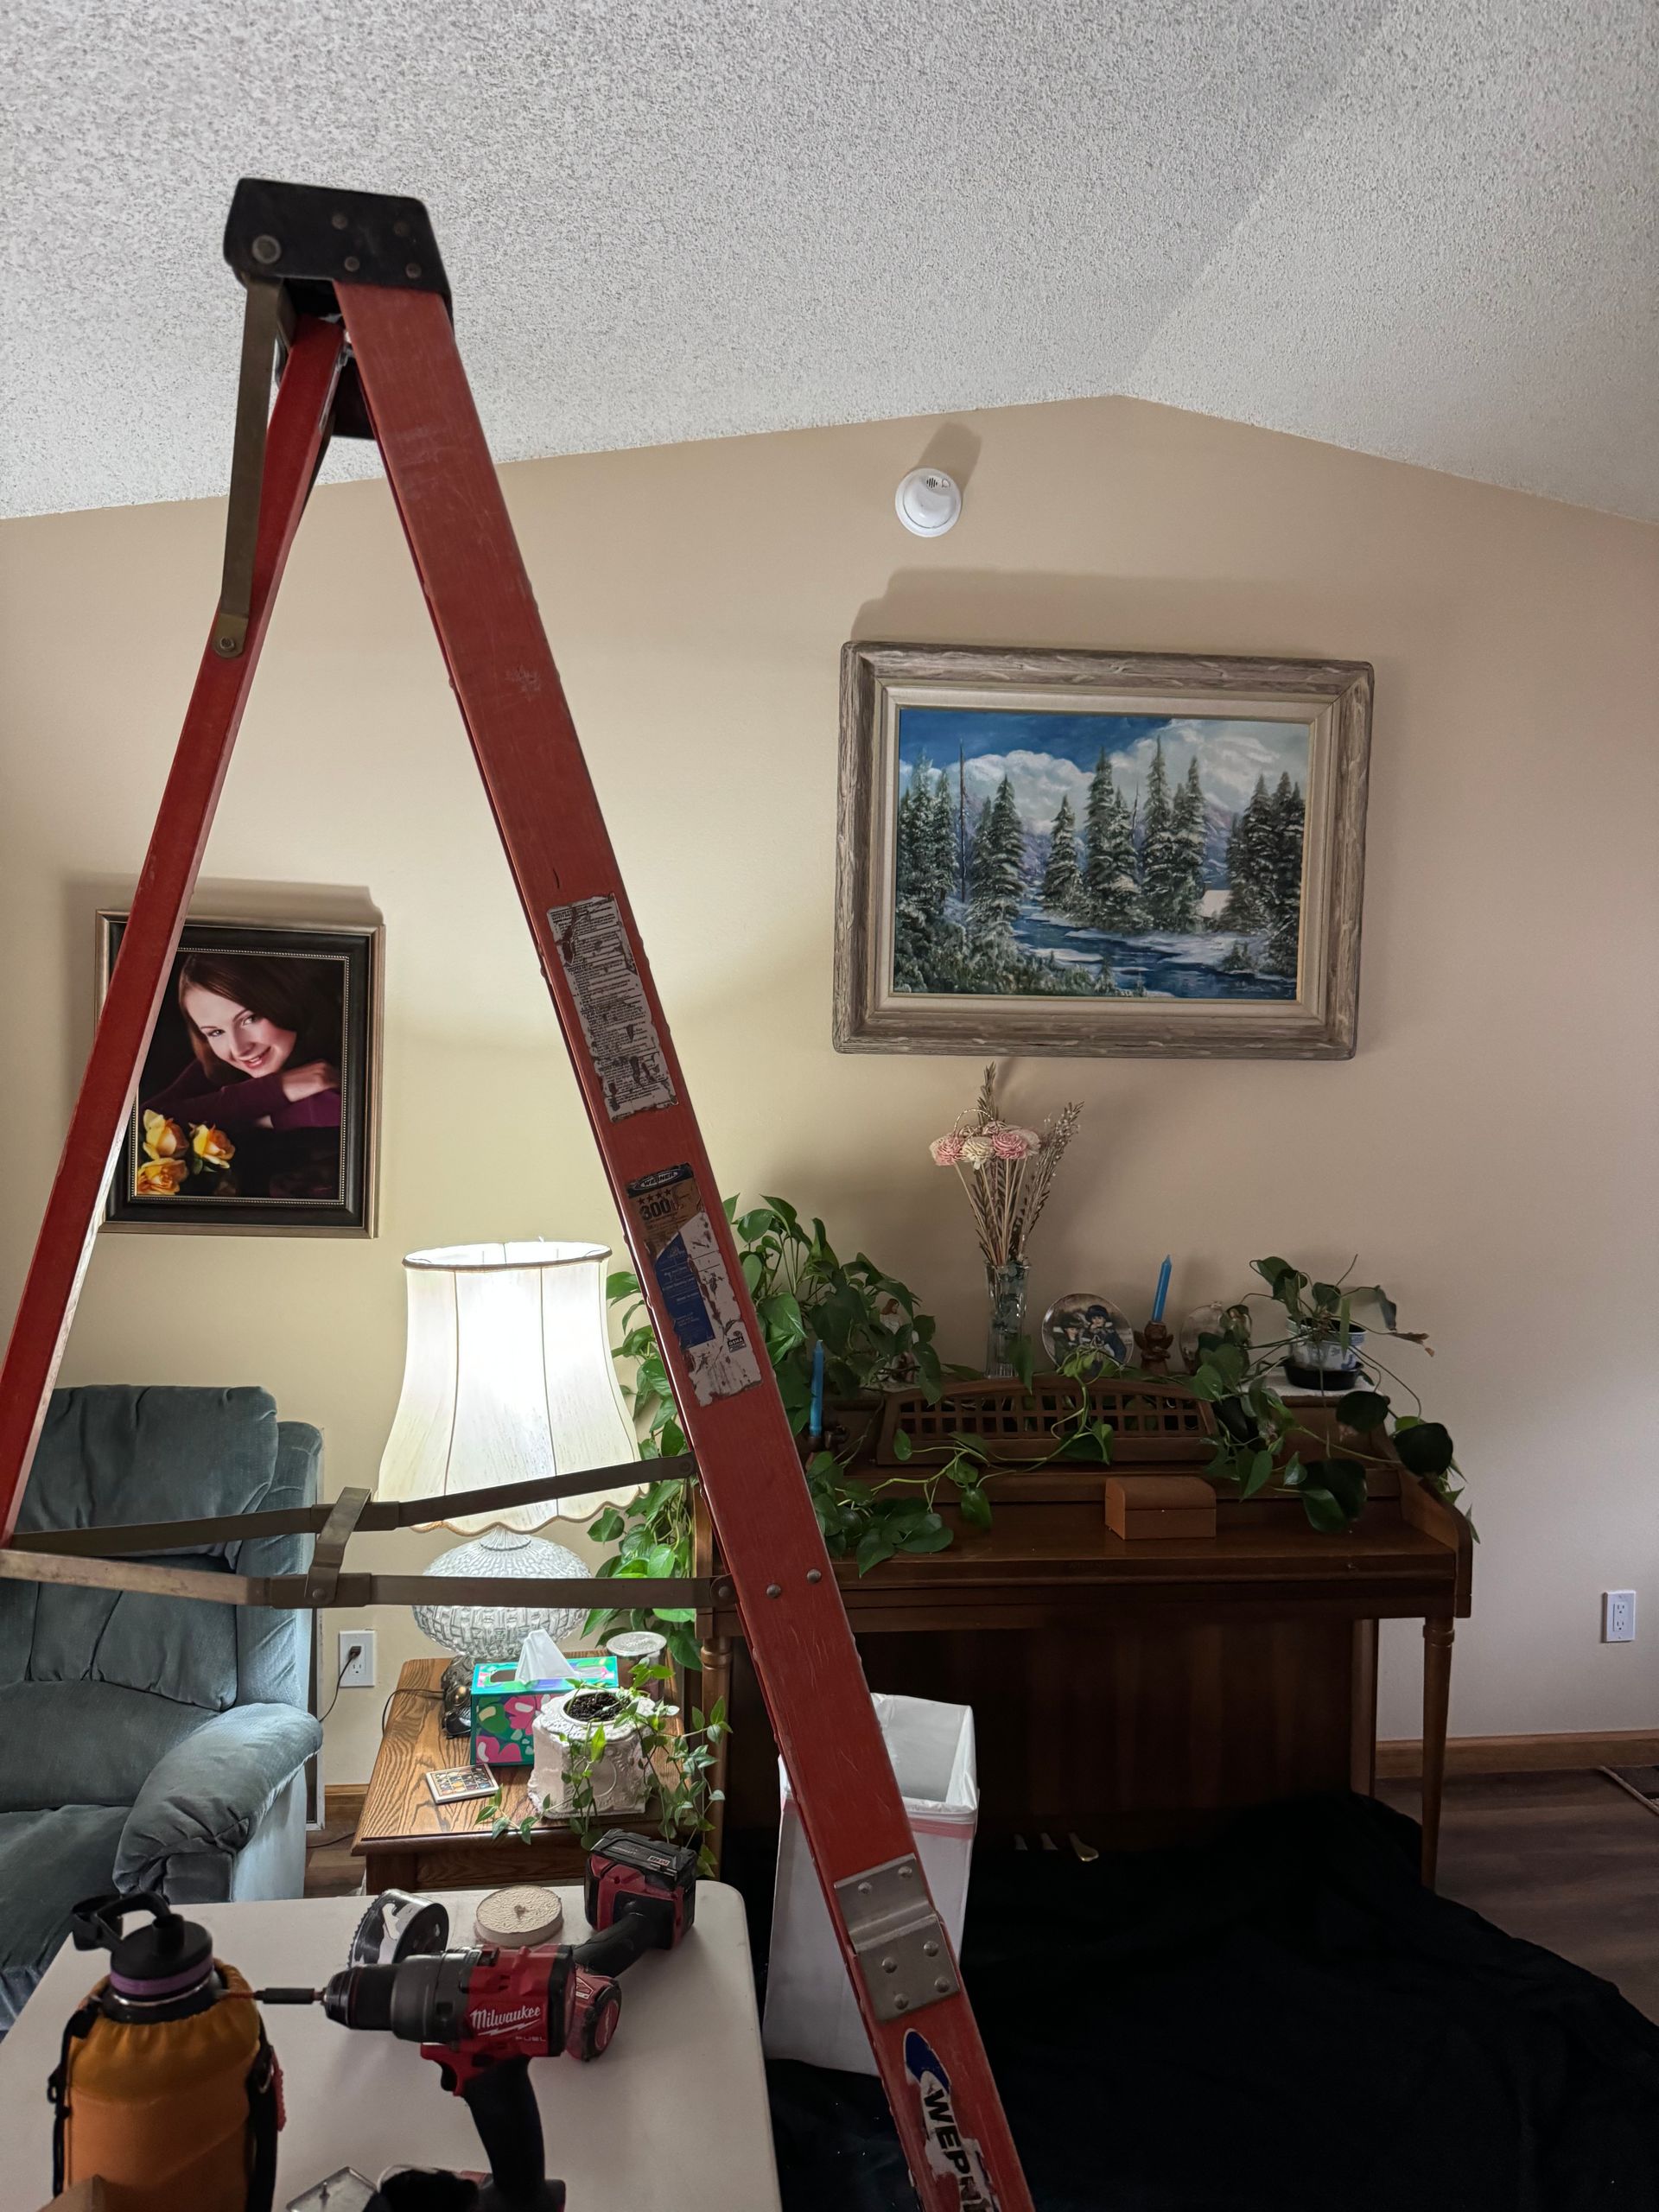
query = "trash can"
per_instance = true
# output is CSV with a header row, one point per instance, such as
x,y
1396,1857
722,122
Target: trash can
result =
x,y
811,2013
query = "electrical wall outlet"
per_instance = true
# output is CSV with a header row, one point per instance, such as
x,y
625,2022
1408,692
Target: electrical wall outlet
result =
x,y
358,1674
1618,1617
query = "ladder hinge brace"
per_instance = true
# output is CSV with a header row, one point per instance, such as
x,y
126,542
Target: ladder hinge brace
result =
x,y
897,1938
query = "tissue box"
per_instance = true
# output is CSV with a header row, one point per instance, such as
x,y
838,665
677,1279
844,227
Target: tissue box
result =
x,y
505,1708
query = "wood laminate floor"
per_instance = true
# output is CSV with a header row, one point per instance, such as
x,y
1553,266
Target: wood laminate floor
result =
x,y
1567,1860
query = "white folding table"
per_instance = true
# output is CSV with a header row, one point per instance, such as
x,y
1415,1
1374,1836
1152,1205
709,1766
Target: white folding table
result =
x,y
672,2118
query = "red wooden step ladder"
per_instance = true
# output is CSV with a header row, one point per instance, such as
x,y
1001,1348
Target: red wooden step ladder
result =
x,y
347,291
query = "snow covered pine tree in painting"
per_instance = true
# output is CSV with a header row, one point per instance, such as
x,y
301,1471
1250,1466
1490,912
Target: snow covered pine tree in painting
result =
x,y
1097,855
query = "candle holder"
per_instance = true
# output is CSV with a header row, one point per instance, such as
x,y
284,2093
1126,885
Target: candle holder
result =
x,y
1154,1343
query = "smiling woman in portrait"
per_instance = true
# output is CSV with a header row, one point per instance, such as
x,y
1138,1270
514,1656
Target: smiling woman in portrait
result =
x,y
264,1036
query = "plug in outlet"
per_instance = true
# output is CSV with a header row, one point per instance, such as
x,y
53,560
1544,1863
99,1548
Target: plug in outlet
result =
x,y
357,1674
1618,1617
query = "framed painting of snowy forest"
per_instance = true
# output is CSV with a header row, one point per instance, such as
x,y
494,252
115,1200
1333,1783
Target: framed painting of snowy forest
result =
x,y
1083,852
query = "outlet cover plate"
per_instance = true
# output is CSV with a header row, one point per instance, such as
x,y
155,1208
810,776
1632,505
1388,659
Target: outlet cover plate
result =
x,y
1618,1617
359,1676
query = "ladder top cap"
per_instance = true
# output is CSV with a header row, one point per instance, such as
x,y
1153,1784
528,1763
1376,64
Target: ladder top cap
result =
x,y
309,235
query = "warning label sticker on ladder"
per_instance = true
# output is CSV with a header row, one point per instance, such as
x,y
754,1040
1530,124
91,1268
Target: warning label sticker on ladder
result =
x,y
677,1231
604,978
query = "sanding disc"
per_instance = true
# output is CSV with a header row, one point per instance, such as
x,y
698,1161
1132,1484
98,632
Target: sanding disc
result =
x,y
513,1919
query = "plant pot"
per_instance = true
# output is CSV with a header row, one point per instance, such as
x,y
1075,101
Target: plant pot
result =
x,y
1325,1363
621,1780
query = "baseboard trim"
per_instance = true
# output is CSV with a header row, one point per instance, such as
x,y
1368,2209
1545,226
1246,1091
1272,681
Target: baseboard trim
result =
x,y
1401,1759
342,1803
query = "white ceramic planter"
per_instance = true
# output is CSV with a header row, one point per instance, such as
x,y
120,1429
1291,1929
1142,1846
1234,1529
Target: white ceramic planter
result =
x,y
621,1780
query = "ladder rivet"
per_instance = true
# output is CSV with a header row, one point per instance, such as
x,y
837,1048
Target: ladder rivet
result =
x,y
774,1589
864,1889
905,1873
353,264
267,249
814,1575
400,230
338,222
889,1965
930,1950
901,2004
411,269
943,1986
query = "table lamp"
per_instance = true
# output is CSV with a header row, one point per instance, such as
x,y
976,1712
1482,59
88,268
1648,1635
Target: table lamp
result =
x,y
507,1376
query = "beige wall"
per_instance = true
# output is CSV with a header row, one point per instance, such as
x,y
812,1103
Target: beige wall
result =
x,y
1488,1154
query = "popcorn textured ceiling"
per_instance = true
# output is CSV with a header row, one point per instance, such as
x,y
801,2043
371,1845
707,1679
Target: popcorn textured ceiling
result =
x,y
1426,230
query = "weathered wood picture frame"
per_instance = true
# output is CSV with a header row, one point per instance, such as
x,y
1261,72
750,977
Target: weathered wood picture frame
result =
x,y
1151,853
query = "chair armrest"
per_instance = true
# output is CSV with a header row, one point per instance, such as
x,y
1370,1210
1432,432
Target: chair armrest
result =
x,y
207,1794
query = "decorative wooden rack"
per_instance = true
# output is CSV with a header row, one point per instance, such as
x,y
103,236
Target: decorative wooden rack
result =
x,y
1154,1424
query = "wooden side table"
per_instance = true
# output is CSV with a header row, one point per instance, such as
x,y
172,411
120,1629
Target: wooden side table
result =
x,y
408,1842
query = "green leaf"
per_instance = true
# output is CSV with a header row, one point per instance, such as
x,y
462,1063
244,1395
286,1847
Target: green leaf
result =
x,y
1258,1475
1345,1480
1226,1360
1372,1308
1424,1446
608,1527
874,1547
1022,1357
900,1445
622,1284
1362,1411
1324,1512
1287,1283
976,1507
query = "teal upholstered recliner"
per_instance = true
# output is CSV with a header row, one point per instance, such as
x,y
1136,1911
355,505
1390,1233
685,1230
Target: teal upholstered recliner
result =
x,y
148,1742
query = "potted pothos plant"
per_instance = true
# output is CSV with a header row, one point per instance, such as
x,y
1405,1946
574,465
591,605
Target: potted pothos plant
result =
x,y
679,1763
1260,1439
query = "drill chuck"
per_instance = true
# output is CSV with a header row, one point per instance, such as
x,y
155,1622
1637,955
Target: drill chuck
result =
x,y
421,1999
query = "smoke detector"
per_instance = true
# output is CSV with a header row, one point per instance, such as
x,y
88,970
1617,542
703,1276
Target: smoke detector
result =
x,y
928,502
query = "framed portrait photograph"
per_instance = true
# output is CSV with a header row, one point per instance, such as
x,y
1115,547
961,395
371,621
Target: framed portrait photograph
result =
x,y
258,1102
1098,853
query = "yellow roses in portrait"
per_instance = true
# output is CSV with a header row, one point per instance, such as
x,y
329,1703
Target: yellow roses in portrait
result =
x,y
211,1147
171,1157
160,1179
163,1140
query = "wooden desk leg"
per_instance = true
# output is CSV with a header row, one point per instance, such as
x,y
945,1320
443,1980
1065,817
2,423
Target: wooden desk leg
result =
x,y
1437,1698
716,1684
1361,1726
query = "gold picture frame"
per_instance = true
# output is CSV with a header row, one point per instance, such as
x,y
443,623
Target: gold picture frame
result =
x,y
1246,945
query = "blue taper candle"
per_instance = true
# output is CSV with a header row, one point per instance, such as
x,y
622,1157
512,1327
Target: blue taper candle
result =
x,y
815,1420
1163,1290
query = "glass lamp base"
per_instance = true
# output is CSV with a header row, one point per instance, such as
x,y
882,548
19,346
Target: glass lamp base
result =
x,y
479,1633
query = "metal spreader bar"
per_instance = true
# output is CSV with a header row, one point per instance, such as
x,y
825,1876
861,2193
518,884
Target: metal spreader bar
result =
x,y
373,263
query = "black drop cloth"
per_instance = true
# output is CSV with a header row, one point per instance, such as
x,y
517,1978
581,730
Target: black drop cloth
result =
x,y
1283,2019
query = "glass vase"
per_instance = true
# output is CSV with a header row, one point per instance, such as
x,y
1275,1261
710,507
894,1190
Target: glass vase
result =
x,y
1005,1289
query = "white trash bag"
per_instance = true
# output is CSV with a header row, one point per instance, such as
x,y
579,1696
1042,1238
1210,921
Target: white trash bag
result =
x,y
811,2013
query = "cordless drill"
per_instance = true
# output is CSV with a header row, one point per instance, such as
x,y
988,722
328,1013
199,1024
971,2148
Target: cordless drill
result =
x,y
484,2014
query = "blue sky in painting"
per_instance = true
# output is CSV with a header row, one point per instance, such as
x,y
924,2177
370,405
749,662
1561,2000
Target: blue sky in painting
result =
x,y
1049,756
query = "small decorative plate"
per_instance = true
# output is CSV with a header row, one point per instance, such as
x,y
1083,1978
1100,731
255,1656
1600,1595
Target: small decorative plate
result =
x,y
1087,1320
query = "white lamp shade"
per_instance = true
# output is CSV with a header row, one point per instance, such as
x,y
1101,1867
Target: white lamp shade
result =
x,y
507,1376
